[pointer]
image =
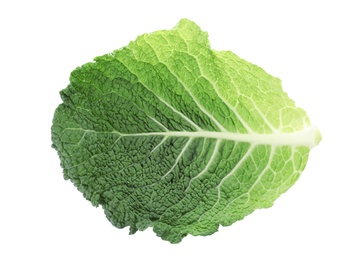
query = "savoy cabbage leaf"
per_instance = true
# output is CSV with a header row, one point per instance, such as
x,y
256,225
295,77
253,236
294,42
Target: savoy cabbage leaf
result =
x,y
170,134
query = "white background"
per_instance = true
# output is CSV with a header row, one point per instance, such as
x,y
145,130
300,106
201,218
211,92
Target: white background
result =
x,y
308,44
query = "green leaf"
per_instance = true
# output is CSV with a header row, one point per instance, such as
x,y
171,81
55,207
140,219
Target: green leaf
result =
x,y
169,134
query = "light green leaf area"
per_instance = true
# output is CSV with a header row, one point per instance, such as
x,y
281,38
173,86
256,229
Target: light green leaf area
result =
x,y
170,134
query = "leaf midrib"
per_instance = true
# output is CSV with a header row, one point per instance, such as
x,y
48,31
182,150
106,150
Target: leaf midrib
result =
x,y
308,137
